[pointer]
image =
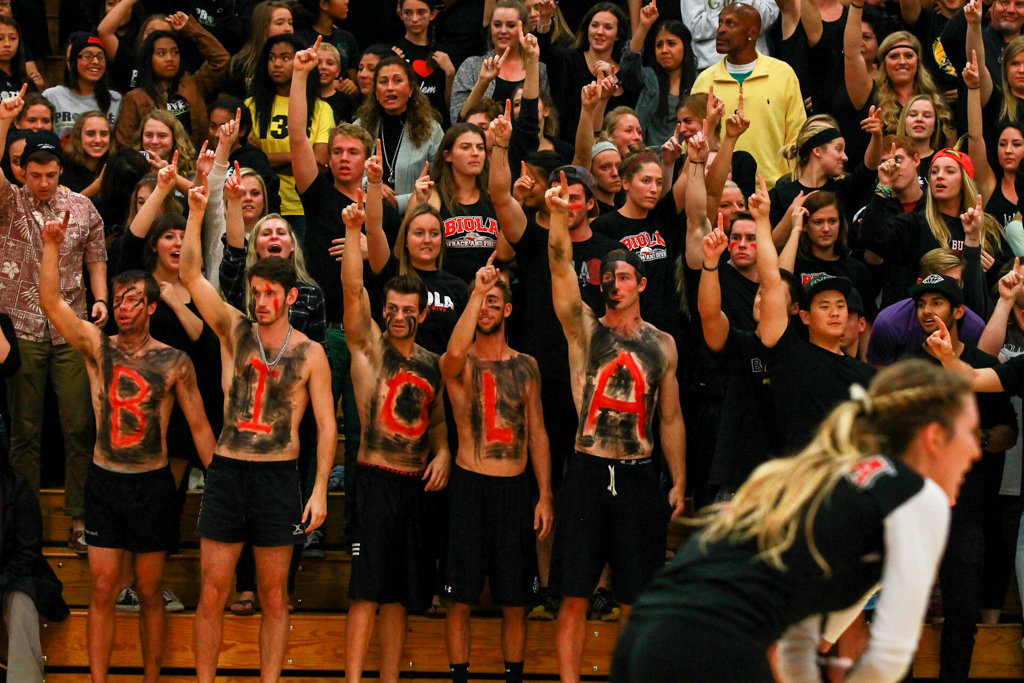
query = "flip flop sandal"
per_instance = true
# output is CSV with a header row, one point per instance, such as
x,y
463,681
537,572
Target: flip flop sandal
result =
x,y
243,608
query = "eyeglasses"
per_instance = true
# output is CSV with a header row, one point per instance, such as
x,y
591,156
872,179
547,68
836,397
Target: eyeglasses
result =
x,y
93,57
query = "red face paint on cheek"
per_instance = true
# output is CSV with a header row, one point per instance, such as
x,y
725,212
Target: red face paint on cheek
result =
x,y
575,207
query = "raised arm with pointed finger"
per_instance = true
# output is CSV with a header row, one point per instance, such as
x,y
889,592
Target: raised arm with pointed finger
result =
x,y
81,334
511,216
1011,286
590,96
720,168
565,285
453,362
304,161
975,43
713,320
376,240
983,175
359,326
696,201
113,20
774,312
218,315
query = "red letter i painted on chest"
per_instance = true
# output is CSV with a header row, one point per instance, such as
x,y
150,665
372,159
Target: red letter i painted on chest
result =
x,y
254,425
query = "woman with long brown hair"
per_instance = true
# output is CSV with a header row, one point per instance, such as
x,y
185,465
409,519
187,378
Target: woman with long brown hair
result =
x,y
866,502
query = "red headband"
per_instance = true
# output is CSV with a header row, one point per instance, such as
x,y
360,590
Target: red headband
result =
x,y
957,156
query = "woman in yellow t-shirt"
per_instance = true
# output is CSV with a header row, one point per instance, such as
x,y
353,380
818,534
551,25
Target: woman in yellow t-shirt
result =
x,y
269,107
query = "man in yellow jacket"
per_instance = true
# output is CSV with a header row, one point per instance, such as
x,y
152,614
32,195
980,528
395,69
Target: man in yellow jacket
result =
x,y
771,93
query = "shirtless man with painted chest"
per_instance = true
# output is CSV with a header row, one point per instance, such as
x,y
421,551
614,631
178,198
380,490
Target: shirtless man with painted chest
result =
x,y
611,507
271,372
398,391
130,493
495,395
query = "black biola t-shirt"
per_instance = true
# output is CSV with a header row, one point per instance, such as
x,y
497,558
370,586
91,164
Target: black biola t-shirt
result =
x,y
432,78
655,239
323,204
447,297
807,383
751,435
532,305
470,238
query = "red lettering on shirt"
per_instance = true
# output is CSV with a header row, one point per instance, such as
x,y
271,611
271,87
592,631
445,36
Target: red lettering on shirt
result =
x,y
492,431
396,384
262,372
643,239
460,224
602,401
864,473
119,439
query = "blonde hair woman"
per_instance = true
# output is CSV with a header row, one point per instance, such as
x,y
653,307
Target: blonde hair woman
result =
x,y
866,502
927,121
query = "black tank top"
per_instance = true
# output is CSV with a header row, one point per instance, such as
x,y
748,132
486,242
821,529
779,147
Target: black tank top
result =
x,y
999,206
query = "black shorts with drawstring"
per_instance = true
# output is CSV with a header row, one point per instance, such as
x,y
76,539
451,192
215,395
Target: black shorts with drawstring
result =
x,y
609,512
249,501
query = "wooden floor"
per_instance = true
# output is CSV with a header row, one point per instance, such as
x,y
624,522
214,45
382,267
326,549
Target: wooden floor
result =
x,y
316,648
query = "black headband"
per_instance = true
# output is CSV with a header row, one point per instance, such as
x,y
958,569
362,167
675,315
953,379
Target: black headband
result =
x,y
898,45
822,137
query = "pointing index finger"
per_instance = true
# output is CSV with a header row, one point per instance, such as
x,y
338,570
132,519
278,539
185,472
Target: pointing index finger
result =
x,y
174,160
378,148
490,259
316,45
24,89
508,109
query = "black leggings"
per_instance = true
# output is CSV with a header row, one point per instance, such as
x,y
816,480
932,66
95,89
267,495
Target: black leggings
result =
x,y
679,650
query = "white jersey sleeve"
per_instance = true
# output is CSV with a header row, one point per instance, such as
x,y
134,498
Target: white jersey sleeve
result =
x,y
798,652
915,539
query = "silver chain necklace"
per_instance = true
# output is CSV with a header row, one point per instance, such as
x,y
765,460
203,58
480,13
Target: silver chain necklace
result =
x,y
394,159
284,347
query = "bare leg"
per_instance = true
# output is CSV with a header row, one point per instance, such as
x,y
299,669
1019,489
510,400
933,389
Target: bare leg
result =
x,y
357,638
569,638
544,558
513,633
392,641
218,571
605,579
149,578
272,582
105,568
457,632
127,571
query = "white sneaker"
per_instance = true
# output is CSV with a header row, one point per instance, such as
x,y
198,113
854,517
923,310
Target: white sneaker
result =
x,y
171,601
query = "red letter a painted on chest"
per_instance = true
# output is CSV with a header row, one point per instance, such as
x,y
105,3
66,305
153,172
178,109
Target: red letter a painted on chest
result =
x,y
601,401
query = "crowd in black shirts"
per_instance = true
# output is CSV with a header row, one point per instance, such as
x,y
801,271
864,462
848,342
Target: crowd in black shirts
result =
x,y
900,126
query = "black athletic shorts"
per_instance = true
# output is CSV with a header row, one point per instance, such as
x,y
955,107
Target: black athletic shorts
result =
x,y
490,536
252,502
676,649
130,510
609,512
392,559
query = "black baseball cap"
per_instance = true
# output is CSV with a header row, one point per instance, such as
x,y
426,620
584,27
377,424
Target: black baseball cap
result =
x,y
824,283
940,284
42,141
855,302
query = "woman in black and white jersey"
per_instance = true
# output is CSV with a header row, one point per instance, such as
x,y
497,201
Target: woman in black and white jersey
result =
x,y
866,503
